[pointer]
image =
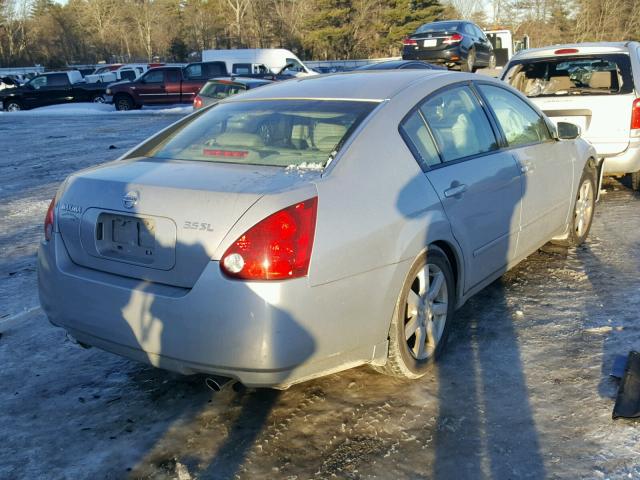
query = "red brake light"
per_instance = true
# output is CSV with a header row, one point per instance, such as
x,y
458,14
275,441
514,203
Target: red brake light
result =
x,y
224,153
277,248
197,102
409,42
635,114
455,38
48,220
564,51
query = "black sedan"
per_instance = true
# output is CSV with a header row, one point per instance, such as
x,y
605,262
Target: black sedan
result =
x,y
454,43
400,65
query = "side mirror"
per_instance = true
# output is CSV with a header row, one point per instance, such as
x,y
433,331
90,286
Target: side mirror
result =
x,y
568,131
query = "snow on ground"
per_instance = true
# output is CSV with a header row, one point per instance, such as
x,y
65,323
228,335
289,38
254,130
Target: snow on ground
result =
x,y
522,392
73,109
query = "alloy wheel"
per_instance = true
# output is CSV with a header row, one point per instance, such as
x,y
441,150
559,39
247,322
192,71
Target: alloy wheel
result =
x,y
426,311
583,209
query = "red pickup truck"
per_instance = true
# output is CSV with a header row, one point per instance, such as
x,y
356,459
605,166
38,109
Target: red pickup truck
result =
x,y
164,85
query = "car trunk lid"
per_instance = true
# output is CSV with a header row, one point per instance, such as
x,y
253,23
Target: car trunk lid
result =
x,y
159,221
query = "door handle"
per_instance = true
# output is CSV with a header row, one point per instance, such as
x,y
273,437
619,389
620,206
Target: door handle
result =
x,y
455,191
526,167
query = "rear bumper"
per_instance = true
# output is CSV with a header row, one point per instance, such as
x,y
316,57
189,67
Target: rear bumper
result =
x,y
435,56
626,162
262,334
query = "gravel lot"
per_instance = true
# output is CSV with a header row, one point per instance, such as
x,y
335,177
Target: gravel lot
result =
x,y
522,392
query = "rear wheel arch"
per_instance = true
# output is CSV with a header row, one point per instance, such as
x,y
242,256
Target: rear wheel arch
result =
x,y
454,261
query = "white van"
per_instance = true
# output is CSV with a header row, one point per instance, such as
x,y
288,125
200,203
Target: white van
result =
x,y
249,61
593,85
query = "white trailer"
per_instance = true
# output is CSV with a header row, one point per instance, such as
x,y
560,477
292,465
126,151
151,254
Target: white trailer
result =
x,y
246,61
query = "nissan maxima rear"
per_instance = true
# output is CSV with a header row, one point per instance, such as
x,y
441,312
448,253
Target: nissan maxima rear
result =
x,y
311,226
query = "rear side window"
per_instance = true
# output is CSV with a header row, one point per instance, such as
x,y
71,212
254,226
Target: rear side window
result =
x,y
215,69
417,136
57,80
565,76
459,124
285,133
242,68
520,123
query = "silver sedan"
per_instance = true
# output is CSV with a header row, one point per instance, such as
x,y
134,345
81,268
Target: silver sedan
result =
x,y
313,225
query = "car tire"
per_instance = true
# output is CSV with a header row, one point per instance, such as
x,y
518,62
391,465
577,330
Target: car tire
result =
x,y
635,181
469,64
123,103
426,302
98,99
13,106
583,209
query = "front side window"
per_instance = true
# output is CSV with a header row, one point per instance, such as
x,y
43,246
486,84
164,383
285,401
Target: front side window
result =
x,y
417,136
565,76
520,123
154,77
193,71
296,65
285,133
459,124
39,82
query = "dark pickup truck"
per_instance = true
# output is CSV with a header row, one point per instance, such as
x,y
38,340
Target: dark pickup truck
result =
x,y
164,85
52,89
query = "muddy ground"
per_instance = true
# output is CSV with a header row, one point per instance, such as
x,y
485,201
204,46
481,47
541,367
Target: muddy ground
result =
x,y
522,392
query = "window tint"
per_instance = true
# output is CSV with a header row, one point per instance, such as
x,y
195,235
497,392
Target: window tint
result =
x,y
154,77
520,123
459,124
215,69
172,76
57,80
242,68
419,140
439,27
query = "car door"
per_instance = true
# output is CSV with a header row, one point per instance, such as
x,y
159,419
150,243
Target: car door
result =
x,y
173,86
479,185
151,87
546,166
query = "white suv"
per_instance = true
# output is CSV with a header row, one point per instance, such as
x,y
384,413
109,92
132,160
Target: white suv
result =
x,y
593,85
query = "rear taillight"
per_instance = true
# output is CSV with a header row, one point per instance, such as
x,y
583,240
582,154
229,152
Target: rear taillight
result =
x,y
455,38
409,42
48,220
197,102
635,114
277,248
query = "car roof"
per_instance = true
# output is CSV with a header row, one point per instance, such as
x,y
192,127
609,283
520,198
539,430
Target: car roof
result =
x,y
389,64
242,80
356,85
587,48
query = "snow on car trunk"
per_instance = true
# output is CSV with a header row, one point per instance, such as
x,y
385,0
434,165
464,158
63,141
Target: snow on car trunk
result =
x,y
159,221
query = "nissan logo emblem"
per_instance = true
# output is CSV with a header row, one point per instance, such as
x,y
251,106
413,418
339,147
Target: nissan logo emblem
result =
x,y
130,199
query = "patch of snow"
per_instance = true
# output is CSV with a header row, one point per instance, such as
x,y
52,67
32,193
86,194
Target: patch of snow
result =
x,y
73,109
315,166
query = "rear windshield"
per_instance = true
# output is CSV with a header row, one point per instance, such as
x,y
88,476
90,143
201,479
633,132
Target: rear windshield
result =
x,y
221,90
287,133
439,27
584,75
